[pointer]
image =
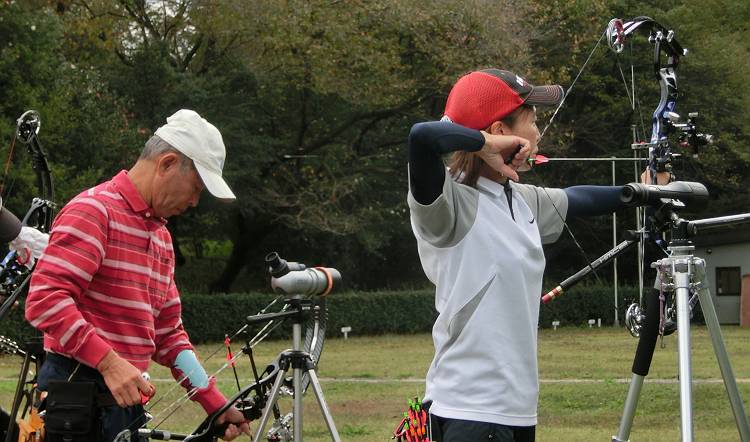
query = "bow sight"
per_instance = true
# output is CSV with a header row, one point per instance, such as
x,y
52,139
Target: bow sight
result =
x,y
688,131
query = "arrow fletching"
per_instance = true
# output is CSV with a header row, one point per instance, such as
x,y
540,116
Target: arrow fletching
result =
x,y
538,159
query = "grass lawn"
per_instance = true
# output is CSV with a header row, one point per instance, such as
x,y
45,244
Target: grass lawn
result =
x,y
367,380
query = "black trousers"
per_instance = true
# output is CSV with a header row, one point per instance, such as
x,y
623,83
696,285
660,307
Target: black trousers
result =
x,y
113,418
458,430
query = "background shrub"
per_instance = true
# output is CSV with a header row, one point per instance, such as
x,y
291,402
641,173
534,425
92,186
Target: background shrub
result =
x,y
208,317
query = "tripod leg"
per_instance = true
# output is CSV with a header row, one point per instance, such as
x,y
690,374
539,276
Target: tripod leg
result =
x,y
298,393
682,272
641,363
323,406
297,364
273,397
722,357
682,296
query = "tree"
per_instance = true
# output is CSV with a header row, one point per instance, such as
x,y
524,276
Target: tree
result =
x,y
83,130
337,85
314,100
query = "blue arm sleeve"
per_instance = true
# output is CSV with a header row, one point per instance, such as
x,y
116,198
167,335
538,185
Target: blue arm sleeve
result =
x,y
593,200
427,143
187,363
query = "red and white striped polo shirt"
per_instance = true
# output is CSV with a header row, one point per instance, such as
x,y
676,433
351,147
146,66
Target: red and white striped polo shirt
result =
x,y
106,281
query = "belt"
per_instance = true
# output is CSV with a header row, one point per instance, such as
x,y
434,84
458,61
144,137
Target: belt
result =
x,y
103,398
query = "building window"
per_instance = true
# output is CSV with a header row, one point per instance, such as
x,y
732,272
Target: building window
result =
x,y
728,281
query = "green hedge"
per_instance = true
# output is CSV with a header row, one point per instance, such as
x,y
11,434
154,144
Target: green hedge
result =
x,y
208,317
584,302
14,325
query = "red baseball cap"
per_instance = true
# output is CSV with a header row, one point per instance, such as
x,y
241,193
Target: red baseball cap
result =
x,y
480,98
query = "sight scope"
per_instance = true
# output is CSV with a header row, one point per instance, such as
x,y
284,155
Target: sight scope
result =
x,y
687,192
295,278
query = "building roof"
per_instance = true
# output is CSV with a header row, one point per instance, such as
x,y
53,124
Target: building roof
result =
x,y
718,236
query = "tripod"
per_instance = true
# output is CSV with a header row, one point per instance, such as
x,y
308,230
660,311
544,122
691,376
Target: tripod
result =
x,y
685,276
301,364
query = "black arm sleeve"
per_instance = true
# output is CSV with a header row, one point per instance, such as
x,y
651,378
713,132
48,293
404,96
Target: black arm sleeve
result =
x,y
427,142
593,200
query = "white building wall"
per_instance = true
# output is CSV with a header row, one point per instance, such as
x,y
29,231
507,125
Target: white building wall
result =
x,y
729,255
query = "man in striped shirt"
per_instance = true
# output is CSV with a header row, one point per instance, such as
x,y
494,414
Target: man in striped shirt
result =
x,y
103,293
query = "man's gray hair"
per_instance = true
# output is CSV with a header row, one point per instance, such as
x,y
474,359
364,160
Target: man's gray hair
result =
x,y
156,146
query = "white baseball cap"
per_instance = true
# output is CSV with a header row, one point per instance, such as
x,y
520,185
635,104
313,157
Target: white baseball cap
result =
x,y
200,141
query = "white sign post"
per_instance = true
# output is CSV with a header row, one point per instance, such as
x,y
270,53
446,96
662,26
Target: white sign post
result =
x,y
345,331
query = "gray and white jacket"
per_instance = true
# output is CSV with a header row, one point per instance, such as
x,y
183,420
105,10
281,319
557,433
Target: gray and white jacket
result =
x,y
486,263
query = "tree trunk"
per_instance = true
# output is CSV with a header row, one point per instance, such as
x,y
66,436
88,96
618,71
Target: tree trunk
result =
x,y
172,227
248,233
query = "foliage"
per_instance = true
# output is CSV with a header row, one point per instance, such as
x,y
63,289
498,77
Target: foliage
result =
x,y
315,98
716,86
584,302
84,129
599,120
367,313
208,317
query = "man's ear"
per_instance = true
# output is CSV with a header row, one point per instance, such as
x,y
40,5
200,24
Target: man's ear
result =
x,y
167,162
499,128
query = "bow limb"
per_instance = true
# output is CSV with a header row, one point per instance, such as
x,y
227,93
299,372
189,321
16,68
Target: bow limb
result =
x,y
666,44
659,149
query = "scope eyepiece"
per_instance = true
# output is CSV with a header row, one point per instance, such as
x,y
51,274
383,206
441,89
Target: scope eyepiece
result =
x,y
687,192
279,267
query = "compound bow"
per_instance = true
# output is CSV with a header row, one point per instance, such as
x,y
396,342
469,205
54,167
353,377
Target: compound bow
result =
x,y
15,272
253,398
665,122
